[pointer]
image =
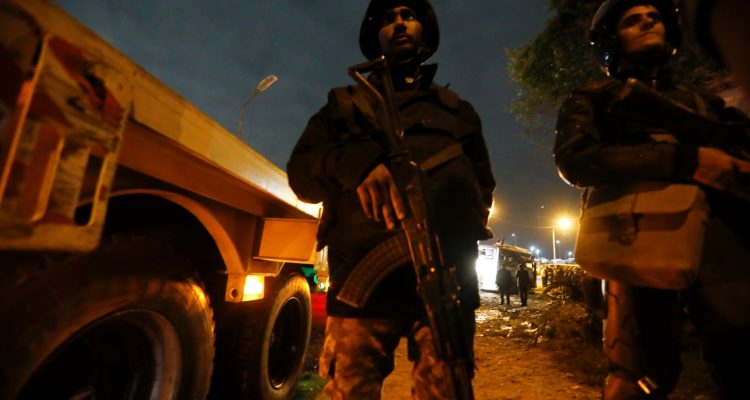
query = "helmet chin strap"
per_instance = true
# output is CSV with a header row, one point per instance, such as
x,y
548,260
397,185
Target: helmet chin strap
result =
x,y
413,58
405,68
423,53
646,64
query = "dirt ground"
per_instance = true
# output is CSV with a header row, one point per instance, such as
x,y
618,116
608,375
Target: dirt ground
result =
x,y
511,366
508,366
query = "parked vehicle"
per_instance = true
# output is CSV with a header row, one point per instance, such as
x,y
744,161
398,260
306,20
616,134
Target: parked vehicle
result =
x,y
145,252
492,256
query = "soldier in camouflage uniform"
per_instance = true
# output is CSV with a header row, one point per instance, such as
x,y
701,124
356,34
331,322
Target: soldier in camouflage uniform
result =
x,y
340,159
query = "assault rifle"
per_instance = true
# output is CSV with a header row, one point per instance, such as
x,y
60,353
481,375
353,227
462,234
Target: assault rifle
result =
x,y
436,281
640,103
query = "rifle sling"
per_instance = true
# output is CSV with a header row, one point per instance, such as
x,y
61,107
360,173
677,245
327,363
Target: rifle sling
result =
x,y
442,157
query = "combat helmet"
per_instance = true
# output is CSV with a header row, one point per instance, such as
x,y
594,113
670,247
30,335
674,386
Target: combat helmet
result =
x,y
602,33
368,32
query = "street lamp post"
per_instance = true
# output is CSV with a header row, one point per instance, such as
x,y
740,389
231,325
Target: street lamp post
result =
x,y
260,88
564,224
554,244
515,242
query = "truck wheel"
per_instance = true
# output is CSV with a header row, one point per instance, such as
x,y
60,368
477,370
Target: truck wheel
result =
x,y
125,321
261,345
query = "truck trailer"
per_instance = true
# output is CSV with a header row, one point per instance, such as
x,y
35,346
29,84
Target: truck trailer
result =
x,y
145,251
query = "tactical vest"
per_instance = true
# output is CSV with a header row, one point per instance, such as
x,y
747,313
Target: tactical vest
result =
x,y
357,115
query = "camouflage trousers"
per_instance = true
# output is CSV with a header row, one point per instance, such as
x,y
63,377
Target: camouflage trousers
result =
x,y
358,354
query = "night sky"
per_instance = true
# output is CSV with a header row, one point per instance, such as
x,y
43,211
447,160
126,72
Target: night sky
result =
x,y
214,52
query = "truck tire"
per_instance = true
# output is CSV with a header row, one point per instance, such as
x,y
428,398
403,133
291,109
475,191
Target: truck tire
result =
x,y
125,321
261,345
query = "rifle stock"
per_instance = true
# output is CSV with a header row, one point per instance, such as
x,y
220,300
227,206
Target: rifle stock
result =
x,y
436,282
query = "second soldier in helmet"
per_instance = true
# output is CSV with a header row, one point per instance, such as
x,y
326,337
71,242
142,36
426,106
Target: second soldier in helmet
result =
x,y
636,39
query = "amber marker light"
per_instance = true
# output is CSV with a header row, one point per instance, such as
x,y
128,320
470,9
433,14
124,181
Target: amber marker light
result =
x,y
253,288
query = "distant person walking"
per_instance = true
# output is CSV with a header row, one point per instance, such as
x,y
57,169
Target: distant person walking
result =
x,y
504,282
524,283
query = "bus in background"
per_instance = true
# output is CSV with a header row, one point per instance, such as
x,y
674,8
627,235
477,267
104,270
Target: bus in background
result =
x,y
493,255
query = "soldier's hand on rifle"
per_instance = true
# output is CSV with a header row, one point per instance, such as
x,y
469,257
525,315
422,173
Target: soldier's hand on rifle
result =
x,y
380,198
717,168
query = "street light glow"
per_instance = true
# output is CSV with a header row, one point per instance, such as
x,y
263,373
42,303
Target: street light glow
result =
x,y
564,223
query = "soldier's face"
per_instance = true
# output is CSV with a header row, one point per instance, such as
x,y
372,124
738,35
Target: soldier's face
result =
x,y
401,32
641,30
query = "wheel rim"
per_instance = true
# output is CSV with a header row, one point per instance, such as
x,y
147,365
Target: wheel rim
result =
x,y
286,343
128,355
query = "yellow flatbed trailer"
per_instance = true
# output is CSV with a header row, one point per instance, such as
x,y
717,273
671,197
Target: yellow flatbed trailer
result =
x,y
145,252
